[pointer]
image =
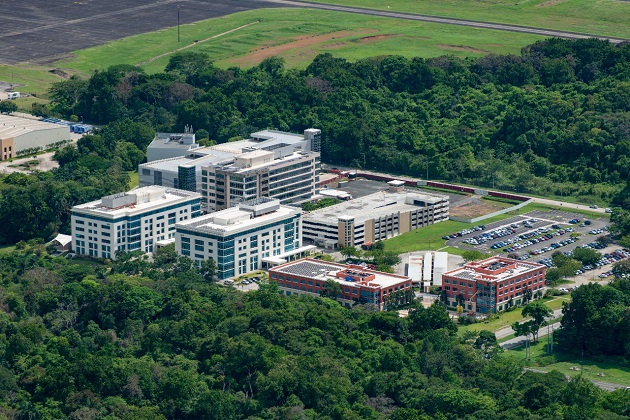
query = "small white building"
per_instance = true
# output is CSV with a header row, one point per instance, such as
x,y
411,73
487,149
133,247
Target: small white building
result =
x,y
334,193
426,268
62,242
239,238
132,220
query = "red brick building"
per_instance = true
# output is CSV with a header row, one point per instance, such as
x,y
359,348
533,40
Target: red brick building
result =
x,y
358,284
493,284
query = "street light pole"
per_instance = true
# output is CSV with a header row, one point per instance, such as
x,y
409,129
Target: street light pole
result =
x,y
178,23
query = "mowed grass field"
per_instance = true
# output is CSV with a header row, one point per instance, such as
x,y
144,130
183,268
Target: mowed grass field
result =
x,y
506,319
297,35
596,17
28,78
610,370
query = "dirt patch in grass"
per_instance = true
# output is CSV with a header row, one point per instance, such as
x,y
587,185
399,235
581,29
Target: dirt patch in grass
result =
x,y
375,38
549,3
461,48
333,45
259,54
474,206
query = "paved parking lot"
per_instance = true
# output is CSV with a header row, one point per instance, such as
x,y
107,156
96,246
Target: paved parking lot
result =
x,y
534,236
362,187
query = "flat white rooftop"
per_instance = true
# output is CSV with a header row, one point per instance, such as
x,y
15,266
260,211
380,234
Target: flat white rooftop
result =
x,y
236,219
280,136
11,126
324,271
231,166
174,141
372,206
135,201
213,155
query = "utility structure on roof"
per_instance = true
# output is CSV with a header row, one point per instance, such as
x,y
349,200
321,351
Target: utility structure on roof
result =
x,y
171,145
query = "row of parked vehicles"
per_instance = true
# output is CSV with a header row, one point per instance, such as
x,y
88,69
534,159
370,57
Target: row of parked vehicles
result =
x,y
464,232
552,246
534,237
605,260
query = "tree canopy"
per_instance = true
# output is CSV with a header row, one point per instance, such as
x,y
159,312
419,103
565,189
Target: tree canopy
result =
x,y
553,120
157,340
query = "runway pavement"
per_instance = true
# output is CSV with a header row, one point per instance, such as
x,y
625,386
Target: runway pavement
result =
x,y
449,21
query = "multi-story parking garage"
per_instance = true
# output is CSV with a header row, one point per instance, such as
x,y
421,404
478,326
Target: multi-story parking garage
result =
x,y
374,217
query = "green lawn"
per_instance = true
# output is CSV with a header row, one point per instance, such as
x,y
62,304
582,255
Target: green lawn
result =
x,y
556,302
505,319
26,104
134,179
613,372
275,32
30,79
599,17
426,238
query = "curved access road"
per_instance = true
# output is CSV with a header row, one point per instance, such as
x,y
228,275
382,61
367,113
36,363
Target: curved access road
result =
x,y
448,21
568,206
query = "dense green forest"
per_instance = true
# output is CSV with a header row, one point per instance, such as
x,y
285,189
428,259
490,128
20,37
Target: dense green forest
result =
x,y
552,121
597,322
155,340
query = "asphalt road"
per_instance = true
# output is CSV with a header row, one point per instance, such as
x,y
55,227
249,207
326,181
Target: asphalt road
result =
x,y
448,21
568,206
519,341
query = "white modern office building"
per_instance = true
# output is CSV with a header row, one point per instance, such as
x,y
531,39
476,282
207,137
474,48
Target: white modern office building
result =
x,y
240,238
291,178
130,221
374,217
184,172
170,145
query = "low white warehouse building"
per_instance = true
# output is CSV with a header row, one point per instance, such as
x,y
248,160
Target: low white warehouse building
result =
x,y
20,134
